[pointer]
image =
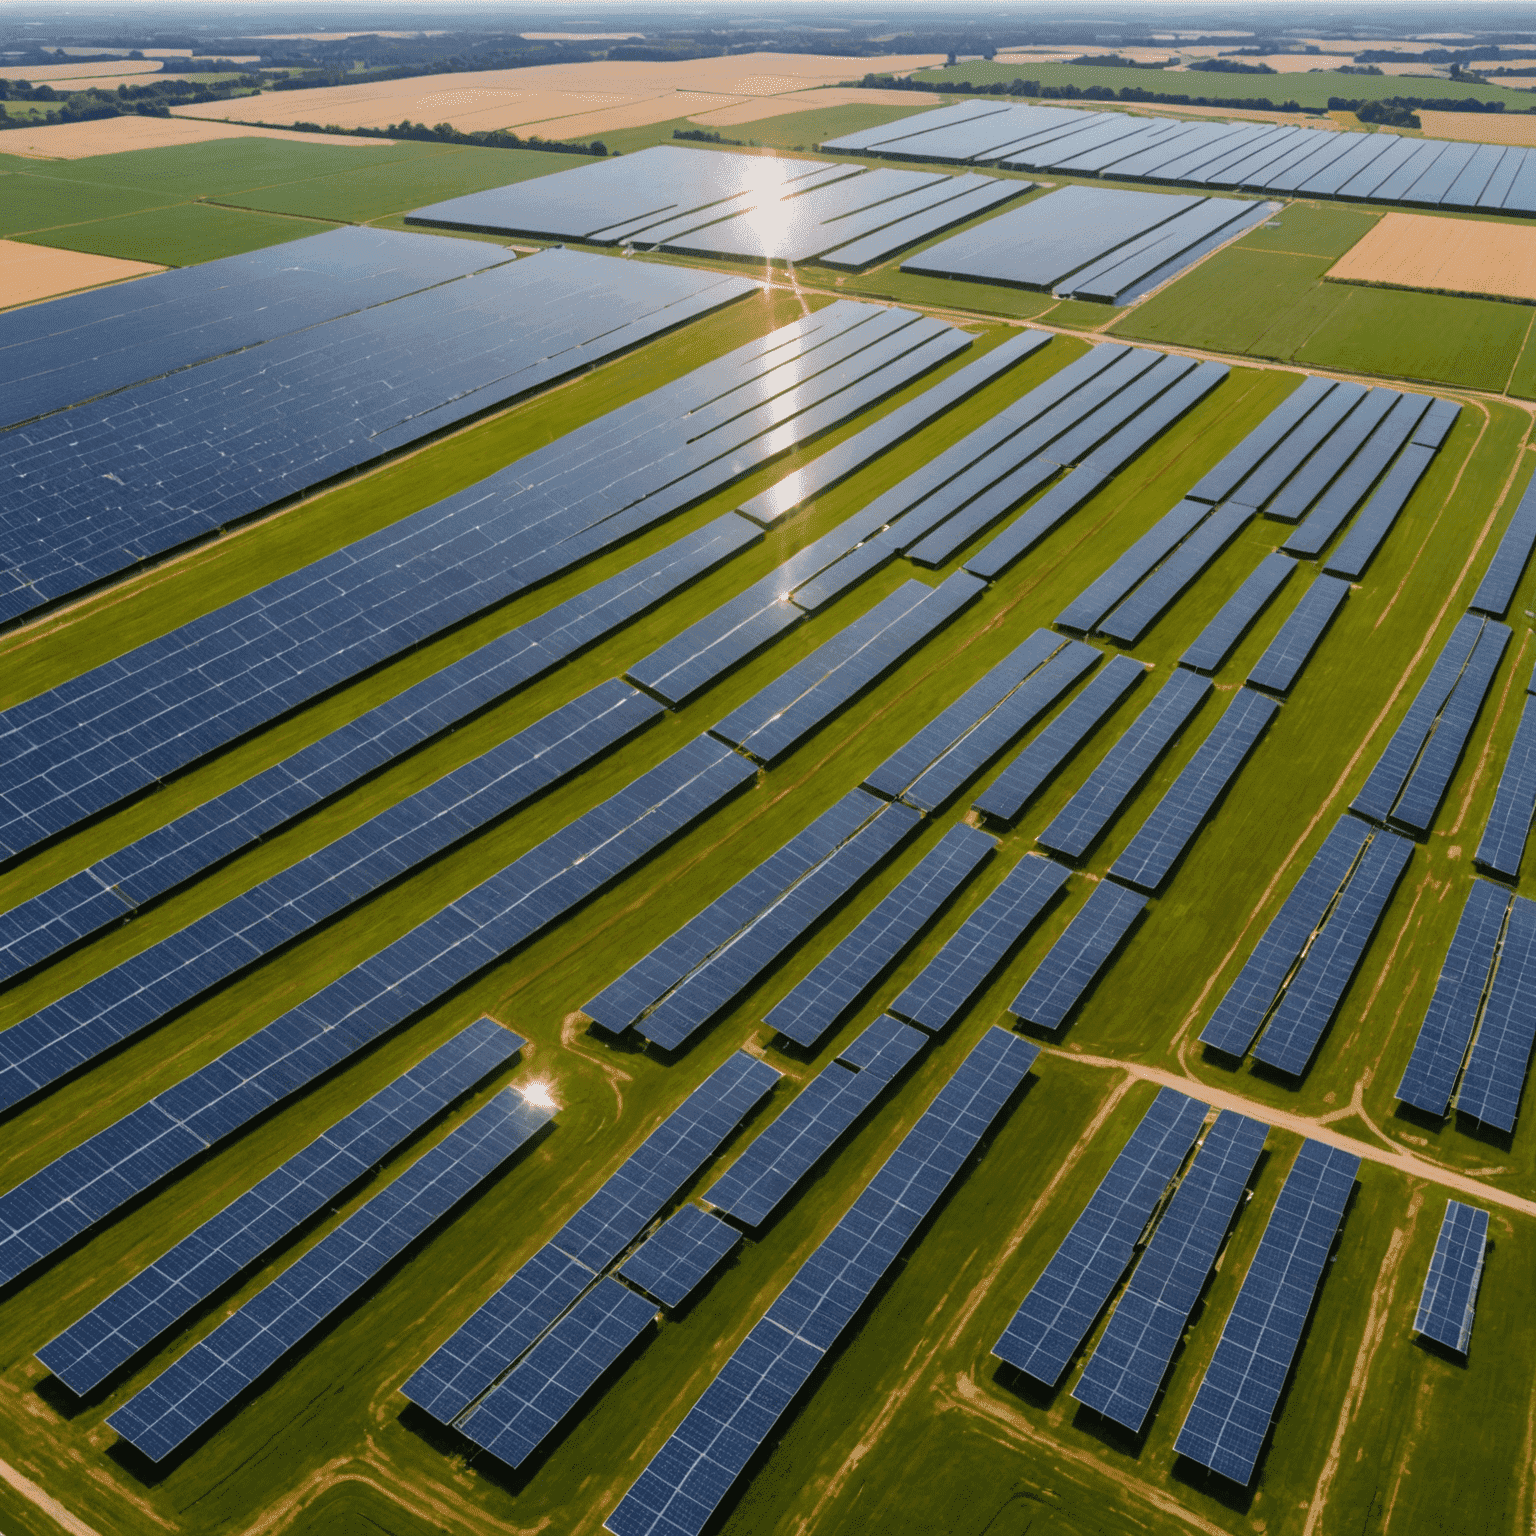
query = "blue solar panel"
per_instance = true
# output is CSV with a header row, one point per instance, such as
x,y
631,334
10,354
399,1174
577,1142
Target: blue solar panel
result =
x,y
78,1189
1378,515
1214,643
691,1475
1226,1428
1441,1046
1497,589
215,1371
970,957
1308,621
1085,611
674,1261
1127,1367
1314,993
1019,537
1502,846
1076,958
1056,1315
1028,773
1218,483
160,1296
834,987
975,195
1495,1075
1180,814
1437,424
1322,467
1450,1288
1125,765
482,1348
1247,1002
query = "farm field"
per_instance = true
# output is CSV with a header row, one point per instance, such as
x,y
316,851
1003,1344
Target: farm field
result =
x,y
1447,256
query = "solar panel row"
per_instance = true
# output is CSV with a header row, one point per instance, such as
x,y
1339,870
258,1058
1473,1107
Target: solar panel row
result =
x,y
836,984
977,196
1501,1050
487,1344
1450,1288
80,1188
1072,491
1057,984
1126,1369
1085,611
1378,515
217,1369
1061,1306
1496,591
690,1476
1502,845
142,991
1278,668
1322,466
1226,1428
937,995
163,1294
1222,479
678,1256
1211,647
1178,816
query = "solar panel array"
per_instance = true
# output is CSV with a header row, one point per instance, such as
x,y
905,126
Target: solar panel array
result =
x,y
1280,665
1126,1369
1211,647
160,1296
1258,157
835,985
784,1153
1090,606
217,1369
1450,1288
484,1347
705,203
188,963
1502,845
944,987
207,446
1179,815
676,1259
1058,983
687,1479
1226,1428
1056,1315
1501,1051
109,732
1079,823
1496,591
80,1188
1375,521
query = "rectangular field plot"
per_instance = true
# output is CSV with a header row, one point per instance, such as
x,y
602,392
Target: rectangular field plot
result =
x,y
1414,250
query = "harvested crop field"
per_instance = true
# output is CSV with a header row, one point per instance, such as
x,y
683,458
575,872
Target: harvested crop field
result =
x,y
1465,256
112,135
758,108
1481,127
32,272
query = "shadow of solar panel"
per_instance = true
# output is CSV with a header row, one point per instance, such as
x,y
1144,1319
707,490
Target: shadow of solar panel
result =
x,y
1496,591
1242,1011
1378,515
1125,765
826,995
1318,987
78,1189
1128,1365
1279,666
1058,983
1227,1425
209,1377
676,1258
1449,1297
1211,647
1495,1075
937,995
1219,482
1027,774
141,992
1502,846
1056,1315
186,1275
523,1411
690,1476
1180,814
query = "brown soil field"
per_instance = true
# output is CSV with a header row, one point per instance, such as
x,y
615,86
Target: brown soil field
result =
x,y
112,135
759,107
32,272
1468,256
1481,127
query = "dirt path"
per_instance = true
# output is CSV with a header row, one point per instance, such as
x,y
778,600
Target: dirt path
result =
x,y
50,1506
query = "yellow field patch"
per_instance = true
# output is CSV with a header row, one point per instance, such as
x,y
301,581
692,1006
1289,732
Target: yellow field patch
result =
x,y
1481,127
112,135
85,70
803,101
32,272
1467,256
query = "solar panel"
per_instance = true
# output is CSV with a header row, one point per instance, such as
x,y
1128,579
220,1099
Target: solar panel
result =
x,y
1058,983
1128,1365
1441,1046
217,1369
1495,1075
1279,666
1376,518
1162,253
1072,491
1215,642
970,957
1450,1288
1060,1308
1496,591
979,195
165,1292
1180,814
1085,611
498,1333
1226,1428
1028,773
827,994
1322,467
1318,987
1502,846
690,1476
84,1185
1125,765
1437,424
675,1259
1242,1011
1218,483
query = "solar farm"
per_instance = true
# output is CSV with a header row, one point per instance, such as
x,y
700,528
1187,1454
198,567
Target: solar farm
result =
x,y
741,839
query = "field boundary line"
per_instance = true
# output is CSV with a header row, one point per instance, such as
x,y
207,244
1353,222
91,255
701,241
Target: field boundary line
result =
x,y
45,1502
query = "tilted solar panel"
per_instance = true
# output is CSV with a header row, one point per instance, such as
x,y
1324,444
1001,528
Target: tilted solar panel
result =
x,y
1495,1074
1076,958
1211,647
1376,518
1279,666
1497,590
1450,1288
1502,846
675,1259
